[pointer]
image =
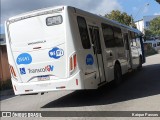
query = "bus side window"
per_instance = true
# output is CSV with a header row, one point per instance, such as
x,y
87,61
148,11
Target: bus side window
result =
x,y
138,40
133,39
118,37
108,35
97,40
126,41
83,32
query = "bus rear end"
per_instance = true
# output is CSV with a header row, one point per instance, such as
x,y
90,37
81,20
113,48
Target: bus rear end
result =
x,y
37,52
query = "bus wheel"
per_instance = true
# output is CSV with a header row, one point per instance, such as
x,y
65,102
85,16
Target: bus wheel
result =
x,y
117,74
140,62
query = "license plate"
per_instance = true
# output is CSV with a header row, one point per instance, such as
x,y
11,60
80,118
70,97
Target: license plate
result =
x,y
43,78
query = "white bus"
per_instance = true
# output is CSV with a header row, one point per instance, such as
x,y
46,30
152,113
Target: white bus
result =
x,y
65,48
155,44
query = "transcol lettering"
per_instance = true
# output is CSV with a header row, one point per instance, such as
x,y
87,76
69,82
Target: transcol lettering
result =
x,y
48,68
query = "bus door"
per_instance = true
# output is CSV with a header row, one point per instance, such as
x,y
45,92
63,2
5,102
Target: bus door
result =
x,y
127,49
96,45
134,50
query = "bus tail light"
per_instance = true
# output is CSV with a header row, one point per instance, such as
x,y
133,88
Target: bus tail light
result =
x,y
75,60
72,62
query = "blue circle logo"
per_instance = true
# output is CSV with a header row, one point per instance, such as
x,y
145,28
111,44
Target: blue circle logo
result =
x,y
89,59
24,58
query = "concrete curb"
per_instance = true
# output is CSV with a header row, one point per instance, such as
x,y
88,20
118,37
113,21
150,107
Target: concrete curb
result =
x,y
7,92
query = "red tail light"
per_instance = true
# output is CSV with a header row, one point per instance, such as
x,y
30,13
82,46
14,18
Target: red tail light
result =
x,y
75,61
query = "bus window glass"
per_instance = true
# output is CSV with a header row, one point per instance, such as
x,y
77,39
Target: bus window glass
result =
x,y
133,39
97,40
108,35
83,32
126,41
138,40
118,37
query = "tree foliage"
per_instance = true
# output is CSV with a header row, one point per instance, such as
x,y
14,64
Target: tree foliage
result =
x,y
148,34
155,26
121,17
158,1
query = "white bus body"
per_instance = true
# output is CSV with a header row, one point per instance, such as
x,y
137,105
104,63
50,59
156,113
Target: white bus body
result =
x,y
65,48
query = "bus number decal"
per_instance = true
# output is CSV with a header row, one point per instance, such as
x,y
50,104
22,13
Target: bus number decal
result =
x,y
89,59
56,53
24,58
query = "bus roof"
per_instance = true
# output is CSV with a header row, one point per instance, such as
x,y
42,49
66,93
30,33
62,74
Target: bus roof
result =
x,y
109,20
60,8
37,12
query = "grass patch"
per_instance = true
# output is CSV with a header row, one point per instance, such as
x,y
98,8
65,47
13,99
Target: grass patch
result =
x,y
6,85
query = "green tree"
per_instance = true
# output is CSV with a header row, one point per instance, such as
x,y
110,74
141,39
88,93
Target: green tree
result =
x,y
121,17
148,34
155,26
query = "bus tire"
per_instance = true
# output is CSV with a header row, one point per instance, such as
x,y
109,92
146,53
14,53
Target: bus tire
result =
x,y
117,74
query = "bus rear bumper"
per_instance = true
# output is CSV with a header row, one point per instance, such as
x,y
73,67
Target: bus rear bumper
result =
x,y
72,83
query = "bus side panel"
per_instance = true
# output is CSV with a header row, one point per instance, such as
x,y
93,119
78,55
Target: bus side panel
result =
x,y
72,46
89,79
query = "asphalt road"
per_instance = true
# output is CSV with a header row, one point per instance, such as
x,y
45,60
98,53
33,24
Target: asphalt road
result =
x,y
140,91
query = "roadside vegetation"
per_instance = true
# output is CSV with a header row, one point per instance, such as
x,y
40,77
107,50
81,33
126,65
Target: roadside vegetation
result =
x,y
154,29
150,51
